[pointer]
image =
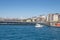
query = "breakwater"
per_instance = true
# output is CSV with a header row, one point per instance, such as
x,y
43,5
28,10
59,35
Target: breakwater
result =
x,y
18,23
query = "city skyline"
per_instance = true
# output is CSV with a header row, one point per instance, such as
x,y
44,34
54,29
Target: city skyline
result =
x,y
28,8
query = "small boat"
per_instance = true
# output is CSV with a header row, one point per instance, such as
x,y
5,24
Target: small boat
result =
x,y
38,25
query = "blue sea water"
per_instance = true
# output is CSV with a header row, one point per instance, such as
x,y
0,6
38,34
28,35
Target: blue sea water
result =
x,y
28,32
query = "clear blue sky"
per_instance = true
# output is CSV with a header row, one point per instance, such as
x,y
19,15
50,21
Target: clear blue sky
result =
x,y
28,8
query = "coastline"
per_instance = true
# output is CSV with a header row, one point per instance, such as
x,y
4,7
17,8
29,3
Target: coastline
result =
x,y
17,23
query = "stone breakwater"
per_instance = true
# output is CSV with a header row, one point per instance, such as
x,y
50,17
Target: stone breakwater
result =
x,y
18,23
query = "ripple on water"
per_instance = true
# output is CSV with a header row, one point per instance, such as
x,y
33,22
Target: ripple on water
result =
x,y
25,32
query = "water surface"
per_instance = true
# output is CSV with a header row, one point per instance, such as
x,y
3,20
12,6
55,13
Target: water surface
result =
x,y
28,32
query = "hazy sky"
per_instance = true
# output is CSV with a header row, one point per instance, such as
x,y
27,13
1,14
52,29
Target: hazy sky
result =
x,y
28,8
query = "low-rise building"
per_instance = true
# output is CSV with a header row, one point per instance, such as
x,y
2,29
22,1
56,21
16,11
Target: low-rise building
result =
x,y
34,19
29,20
41,18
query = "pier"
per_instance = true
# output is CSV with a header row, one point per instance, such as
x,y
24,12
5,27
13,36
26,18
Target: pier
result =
x,y
18,23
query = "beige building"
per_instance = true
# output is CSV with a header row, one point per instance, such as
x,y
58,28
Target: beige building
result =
x,y
34,19
28,20
55,17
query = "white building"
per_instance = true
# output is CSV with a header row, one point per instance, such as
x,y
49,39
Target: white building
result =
x,y
50,17
55,18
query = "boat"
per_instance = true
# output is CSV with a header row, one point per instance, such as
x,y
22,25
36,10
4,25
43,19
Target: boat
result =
x,y
38,25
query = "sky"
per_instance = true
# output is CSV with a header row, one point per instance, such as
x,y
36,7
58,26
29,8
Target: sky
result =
x,y
28,8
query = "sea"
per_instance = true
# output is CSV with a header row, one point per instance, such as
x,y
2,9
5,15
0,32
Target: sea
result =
x,y
29,32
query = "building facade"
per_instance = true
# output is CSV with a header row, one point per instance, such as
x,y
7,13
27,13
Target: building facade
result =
x,y
53,18
49,18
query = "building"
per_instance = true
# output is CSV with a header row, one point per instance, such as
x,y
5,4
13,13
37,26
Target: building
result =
x,y
1,19
41,18
49,18
29,20
34,19
53,18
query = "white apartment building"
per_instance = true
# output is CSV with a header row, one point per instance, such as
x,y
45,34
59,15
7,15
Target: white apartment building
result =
x,y
55,17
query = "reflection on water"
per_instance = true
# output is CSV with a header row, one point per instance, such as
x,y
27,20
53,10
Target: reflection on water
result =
x,y
28,32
